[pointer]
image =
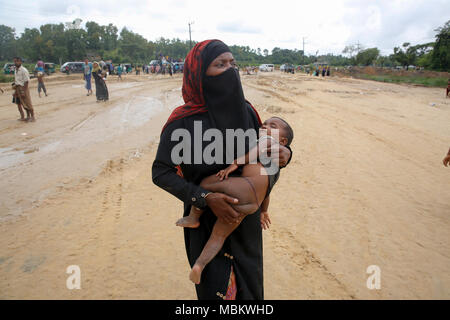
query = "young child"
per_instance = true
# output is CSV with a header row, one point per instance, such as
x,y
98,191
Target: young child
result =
x,y
252,190
41,85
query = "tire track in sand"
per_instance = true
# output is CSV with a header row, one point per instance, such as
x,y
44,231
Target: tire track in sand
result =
x,y
310,268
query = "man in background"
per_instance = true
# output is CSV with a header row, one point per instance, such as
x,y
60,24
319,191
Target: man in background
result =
x,y
87,74
21,81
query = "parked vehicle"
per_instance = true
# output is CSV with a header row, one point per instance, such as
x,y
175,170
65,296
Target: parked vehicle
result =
x,y
178,67
48,68
127,67
8,68
72,67
266,67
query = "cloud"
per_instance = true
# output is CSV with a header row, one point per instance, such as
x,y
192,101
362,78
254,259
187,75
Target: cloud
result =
x,y
237,27
386,24
327,25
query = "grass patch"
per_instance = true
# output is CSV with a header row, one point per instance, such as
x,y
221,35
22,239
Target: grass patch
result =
x,y
440,82
6,78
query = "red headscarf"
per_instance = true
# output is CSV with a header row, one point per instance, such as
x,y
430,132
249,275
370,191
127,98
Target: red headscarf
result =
x,y
192,85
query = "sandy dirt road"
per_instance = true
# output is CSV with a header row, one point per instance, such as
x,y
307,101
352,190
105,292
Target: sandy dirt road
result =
x,y
366,187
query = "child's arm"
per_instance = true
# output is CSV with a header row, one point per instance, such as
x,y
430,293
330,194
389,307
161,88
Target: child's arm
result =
x,y
265,220
249,157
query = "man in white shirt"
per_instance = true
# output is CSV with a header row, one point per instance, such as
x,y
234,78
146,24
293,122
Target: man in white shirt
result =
x,y
21,80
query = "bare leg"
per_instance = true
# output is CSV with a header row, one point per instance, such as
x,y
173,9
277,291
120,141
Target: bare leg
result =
x,y
32,119
22,115
236,187
192,220
219,233
248,191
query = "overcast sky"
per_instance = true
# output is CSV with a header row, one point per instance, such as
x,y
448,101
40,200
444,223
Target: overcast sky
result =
x,y
328,26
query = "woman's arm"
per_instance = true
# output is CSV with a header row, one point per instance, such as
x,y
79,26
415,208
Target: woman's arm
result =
x,y
164,176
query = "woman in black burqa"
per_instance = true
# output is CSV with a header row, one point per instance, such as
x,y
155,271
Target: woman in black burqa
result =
x,y
217,101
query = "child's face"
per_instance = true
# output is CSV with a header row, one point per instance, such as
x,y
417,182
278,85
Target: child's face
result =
x,y
275,123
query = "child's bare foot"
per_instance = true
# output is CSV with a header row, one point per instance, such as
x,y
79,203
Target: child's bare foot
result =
x,y
196,274
188,222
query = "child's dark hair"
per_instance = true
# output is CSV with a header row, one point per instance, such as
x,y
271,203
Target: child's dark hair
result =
x,y
288,130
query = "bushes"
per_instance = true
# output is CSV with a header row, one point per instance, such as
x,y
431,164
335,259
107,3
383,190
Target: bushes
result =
x,y
424,81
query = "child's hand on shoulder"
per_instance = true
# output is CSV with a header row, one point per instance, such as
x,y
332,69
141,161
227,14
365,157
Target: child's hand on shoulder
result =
x,y
223,174
265,220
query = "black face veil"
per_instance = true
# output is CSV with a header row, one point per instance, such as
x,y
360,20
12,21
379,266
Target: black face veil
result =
x,y
224,96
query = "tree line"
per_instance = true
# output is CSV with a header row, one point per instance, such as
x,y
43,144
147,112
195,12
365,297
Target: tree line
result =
x,y
433,55
59,43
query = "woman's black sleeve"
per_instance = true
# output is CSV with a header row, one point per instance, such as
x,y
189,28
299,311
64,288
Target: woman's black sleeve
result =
x,y
164,175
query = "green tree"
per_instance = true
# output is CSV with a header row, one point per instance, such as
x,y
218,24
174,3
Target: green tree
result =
x,y
110,37
30,44
440,58
54,49
406,56
7,42
367,57
94,36
384,61
132,46
75,40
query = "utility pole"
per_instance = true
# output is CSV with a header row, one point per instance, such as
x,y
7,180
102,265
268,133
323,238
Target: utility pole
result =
x,y
358,47
190,39
303,55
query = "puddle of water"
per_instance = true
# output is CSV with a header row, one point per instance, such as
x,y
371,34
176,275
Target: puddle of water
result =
x,y
99,128
123,85
9,157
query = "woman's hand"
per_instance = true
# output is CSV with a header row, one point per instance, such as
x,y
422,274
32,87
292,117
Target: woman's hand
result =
x,y
265,220
219,203
284,155
223,174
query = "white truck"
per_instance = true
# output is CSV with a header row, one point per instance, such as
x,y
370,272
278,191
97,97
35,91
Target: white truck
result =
x,y
266,67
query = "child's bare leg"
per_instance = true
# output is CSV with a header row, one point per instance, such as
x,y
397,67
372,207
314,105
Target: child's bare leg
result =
x,y
220,232
248,190
234,186
192,220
